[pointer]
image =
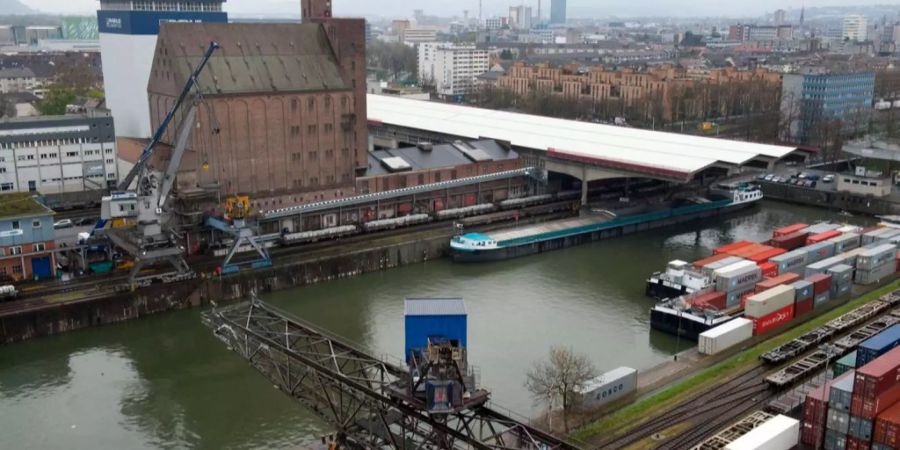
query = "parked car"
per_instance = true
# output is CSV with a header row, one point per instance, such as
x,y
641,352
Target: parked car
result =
x,y
802,175
65,223
812,177
769,177
86,221
828,178
812,183
761,176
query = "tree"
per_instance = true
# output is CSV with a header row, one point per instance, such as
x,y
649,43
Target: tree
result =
x,y
56,100
7,107
506,54
559,379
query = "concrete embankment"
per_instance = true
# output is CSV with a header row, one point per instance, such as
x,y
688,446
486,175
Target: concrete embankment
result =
x,y
829,199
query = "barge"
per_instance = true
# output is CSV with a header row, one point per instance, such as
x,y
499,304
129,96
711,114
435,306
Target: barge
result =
x,y
596,225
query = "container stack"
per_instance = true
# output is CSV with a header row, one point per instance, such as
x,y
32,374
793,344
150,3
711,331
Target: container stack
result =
x,y
708,300
875,389
876,263
785,278
736,279
729,248
879,235
821,237
821,289
815,416
792,261
841,280
887,429
770,309
837,423
803,297
790,229
845,364
822,227
845,242
790,242
877,345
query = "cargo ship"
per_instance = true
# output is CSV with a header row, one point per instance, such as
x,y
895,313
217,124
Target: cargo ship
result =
x,y
599,224
801,268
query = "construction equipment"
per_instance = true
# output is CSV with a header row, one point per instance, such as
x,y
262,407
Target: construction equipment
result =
x,y
152,239
236,223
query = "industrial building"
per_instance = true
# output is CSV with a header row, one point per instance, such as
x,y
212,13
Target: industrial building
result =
x,y
128,33
816,98
58,154
27,238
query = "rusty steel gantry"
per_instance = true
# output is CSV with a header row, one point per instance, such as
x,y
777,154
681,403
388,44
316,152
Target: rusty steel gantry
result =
x,y
356,392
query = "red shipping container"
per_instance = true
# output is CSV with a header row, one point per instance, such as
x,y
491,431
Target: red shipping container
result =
x,y
856,444
887,427
868,408
747,251
821,237
812,434
762,257
803,307
732,246
790,241
710,259
784,231
785,278
712,299
878,376
774,320
821,282
768,269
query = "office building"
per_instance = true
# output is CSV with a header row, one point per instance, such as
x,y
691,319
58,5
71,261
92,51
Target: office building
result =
x,y
557,12
855,28
451,68
780,17
520,17
814,100
128,31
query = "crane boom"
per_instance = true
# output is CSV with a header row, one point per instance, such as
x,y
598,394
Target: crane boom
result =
x,y
148,150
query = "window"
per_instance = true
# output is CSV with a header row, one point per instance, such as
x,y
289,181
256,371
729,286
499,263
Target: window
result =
x,y
40,246
36,223
110,161
15,225
312,105
17,269
71,154
16,250
313,155
327,103
6,186
328,128
2,252
311,129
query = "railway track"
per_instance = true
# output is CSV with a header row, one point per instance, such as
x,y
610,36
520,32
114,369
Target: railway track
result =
x,y
745,390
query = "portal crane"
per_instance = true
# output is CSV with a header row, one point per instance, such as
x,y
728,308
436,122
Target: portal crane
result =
x,y
151,240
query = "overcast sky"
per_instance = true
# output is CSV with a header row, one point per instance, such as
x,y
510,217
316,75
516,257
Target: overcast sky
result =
x,y
577,8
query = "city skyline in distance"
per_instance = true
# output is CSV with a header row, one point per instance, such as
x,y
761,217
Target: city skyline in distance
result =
x,y
576,8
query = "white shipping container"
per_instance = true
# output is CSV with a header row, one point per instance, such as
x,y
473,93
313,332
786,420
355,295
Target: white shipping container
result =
x,y
849,229
732,268
725,336
778,433
769,301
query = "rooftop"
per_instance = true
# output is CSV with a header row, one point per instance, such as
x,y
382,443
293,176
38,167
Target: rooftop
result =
x,y
435,307
383,162
16,72
681,154
15,204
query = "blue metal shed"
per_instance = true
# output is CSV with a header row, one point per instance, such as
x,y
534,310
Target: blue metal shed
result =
x,y
433,317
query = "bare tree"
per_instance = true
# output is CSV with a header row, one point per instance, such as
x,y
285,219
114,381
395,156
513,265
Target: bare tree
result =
x,y
7,107
559,379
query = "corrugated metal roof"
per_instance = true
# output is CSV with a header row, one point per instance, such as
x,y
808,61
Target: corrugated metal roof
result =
x,y
252,57
435,307
654,149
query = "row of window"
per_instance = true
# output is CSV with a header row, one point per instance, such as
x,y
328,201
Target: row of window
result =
x,y
17,249
313,155
862,182
17,225
46,143
149,5
314,181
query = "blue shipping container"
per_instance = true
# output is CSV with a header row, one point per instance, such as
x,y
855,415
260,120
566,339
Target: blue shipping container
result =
x,y
433,317
878,345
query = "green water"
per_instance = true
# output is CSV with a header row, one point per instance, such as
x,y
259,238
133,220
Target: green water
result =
x,y
164,382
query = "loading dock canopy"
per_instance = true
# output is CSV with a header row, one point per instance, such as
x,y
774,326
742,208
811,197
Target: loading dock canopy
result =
x,y
630,148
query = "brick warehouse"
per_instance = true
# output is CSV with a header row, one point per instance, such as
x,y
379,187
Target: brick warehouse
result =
x,y
289,99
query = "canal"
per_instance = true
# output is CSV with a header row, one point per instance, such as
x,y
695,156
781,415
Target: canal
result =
x,y
164,382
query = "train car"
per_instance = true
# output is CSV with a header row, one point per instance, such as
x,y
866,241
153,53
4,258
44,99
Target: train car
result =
x,y
396,222
465,211
525,201
317,235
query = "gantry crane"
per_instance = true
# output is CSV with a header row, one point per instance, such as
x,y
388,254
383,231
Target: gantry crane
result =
x,y
146,206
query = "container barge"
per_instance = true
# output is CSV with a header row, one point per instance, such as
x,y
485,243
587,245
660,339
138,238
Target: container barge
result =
x,y
800,269
477,247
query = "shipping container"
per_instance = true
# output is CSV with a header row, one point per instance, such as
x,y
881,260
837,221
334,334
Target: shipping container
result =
x,y
840,290
711,267
790,229
766,302
842,393
764,256
845,364
877,345
841,274
876,257
877,446
815,415
802,289
867,277
725,336
835,440
804,306
736,297
709,260
773,320
845,242
429,317
790,242
747,251
860,428
778,433
878,376
737,276
818,252
857,444
887,427
708,300
769,269
824,265
812,434
791,261
730,247
869,408
821,283
821,227
785,278
869,236
609,386
821,300
838,420
822,237
850,229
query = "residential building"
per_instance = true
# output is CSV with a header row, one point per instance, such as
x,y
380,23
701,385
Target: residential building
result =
x,y
855,28
128,31
416,35
743,32
780,17
813,100
296,135
58,154
451,68
494,23
16,79
27,238
520,17
557,12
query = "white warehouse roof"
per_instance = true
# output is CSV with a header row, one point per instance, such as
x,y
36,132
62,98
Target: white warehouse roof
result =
x,y
606,145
